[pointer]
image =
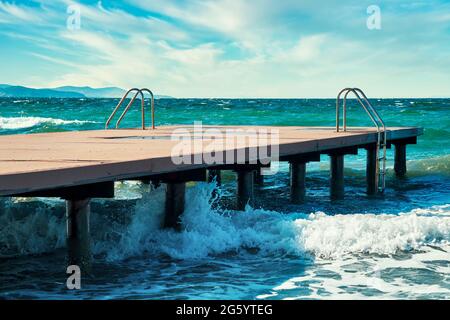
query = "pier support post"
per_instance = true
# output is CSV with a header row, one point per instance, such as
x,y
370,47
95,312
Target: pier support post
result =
x,y
400,160
78,237
214,174
258,177
337,176
371,170
77,217
175,193
297,181
297,173
244,188
174,205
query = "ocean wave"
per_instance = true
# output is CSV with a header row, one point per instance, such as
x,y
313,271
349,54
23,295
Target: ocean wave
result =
x,y
437,133
208,230
380,277
335,236
435,165
14,123
32,228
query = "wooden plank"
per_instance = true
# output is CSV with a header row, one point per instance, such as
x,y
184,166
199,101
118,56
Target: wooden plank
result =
x,y
32,162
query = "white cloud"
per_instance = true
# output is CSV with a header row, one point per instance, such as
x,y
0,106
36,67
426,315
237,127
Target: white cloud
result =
x,y
307,49
229,48
12,13
118,62
205,54
249,22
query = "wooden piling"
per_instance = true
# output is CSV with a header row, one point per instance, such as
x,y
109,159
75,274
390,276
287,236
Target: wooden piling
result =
x,y
244,188
258,178
174,204
297,181
371,170
337,176
400,160
78,236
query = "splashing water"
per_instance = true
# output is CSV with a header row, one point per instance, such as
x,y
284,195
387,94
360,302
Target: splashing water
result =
x,y
29,122
366,242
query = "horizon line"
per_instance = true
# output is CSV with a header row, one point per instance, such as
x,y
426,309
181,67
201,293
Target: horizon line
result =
x,y
168,96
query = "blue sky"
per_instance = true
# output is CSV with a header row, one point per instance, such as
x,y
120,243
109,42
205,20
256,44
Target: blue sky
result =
x,y
230,48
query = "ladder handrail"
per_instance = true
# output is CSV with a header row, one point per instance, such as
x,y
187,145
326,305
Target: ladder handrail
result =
x,y
344,115
128,107
373,109
338,99
152,106
138,92
118,106
384,133
376,119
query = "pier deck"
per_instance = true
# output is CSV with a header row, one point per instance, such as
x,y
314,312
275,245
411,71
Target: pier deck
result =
x,y
33,162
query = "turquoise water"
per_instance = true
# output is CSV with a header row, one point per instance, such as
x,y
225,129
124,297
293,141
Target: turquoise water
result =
x,y
393,246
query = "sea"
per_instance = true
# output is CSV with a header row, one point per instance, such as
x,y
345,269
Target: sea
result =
x,y
392,246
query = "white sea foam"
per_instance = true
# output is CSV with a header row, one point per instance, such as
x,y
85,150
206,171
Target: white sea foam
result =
x,y
336,236
36,231
209,231
426,274
14,123
364,277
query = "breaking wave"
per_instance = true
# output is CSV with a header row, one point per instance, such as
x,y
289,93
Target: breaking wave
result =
x,y
209,230
15,123
436,165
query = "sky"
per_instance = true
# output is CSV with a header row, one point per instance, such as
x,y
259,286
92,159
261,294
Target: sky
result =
x,y
230,48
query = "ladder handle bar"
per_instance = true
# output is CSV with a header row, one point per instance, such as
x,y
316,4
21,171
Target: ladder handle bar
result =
x,y
362,104
128,107
373,109
152,106
377,115
365,99
338,107
379,137
377,177
118,106
368,112
143,110
338,100
376,119
384,131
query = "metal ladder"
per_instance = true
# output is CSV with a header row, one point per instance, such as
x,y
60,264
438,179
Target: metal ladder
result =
x,y
138,92
379,123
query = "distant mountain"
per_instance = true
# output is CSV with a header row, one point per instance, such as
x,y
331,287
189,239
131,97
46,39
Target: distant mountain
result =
x,y
63,92
161,96
24,92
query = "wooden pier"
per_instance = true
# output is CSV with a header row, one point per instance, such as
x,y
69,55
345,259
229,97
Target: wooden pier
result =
x,y
78,166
